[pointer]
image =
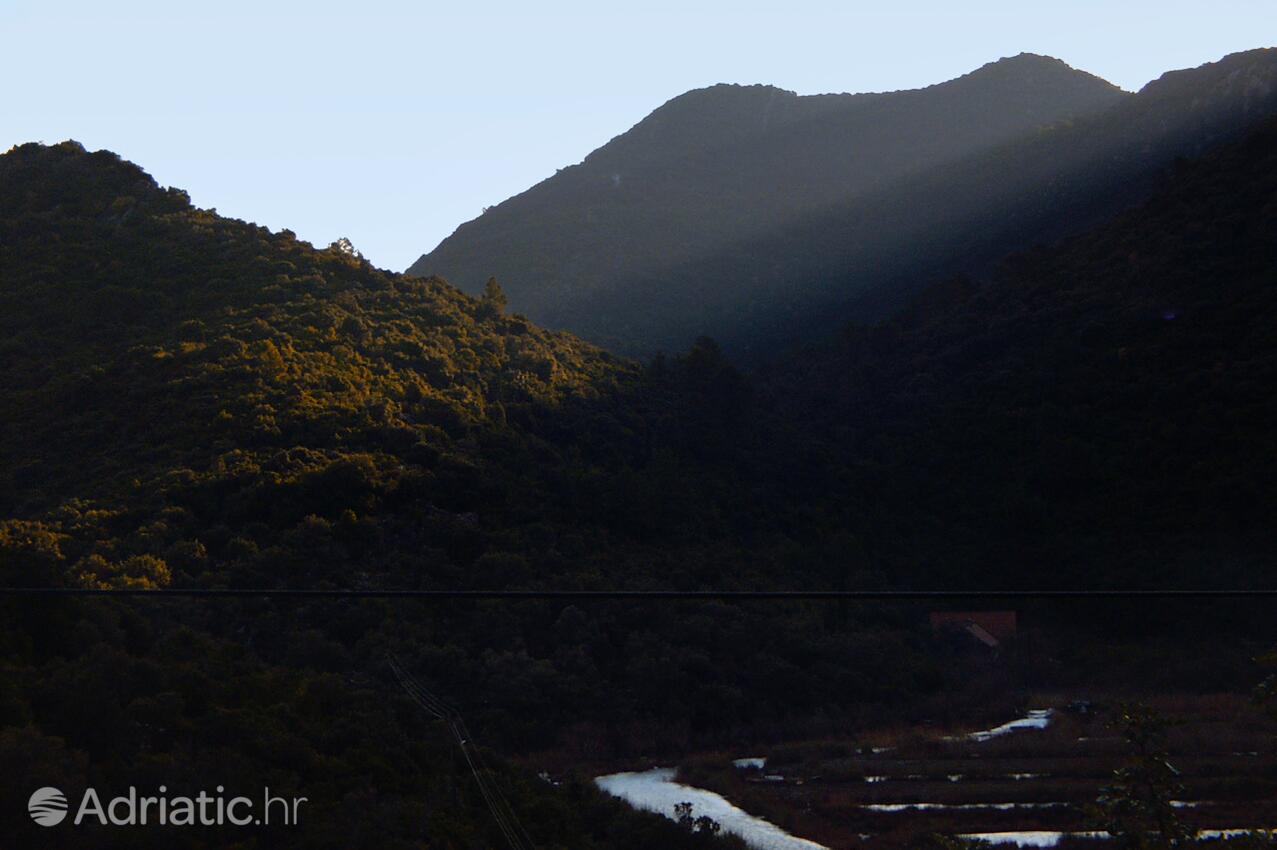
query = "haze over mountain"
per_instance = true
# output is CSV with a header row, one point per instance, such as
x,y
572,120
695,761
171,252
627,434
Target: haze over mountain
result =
x,y
761,217
1102,405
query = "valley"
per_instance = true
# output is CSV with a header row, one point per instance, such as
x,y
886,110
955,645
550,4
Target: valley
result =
x,y
1034,783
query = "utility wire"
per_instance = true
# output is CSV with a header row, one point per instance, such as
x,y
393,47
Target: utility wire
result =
x,y
478,754
712,595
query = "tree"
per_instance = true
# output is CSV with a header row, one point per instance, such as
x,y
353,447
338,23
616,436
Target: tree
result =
x,y
493,300
345,246
1266,691
1138,809
30,554
704,824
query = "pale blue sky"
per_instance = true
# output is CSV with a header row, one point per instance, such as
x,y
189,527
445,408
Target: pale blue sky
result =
x,y
391,123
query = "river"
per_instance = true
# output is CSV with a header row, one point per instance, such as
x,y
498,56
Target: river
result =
x,y
657,791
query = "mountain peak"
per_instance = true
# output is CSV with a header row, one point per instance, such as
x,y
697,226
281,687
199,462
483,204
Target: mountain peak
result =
x,y
1025,57
1037,70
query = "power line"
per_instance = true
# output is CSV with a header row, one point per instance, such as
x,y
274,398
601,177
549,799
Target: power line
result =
x,y
502,812
708,595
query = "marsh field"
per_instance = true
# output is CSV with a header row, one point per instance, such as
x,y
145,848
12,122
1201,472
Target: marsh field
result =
x,y
1033,781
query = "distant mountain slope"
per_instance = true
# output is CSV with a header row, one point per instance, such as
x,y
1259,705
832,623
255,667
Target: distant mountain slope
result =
x,y
645,277
717,165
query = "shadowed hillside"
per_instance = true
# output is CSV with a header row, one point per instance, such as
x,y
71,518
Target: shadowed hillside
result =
x,y
1099,407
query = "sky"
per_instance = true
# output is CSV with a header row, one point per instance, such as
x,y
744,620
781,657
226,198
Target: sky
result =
x,y
390,123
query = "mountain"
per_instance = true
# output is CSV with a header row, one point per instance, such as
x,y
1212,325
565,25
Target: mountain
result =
x,y
757,216
717,165
192,401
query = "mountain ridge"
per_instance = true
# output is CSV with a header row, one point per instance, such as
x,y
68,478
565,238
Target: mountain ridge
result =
x,y
1010,68
639,269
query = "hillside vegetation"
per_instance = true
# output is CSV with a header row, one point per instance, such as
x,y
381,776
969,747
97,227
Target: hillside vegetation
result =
x,y
195,401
